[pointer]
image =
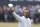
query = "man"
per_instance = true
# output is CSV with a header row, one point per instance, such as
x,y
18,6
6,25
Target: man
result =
x,y
24,21
39,15
1,14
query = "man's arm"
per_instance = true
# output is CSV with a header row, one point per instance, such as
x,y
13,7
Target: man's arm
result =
x,y
16,16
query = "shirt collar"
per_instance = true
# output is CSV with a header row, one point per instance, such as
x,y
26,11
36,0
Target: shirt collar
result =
x,y
25,18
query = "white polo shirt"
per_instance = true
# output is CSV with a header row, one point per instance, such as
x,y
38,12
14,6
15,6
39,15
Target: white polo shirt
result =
x,y
22,21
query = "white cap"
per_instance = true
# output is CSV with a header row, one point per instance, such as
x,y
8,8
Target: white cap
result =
x,y
10,5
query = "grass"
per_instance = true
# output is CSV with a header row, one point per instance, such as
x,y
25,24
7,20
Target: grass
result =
x,y
7,24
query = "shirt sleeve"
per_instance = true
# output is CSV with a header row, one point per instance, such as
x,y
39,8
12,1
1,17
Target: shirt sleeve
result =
x,y
17,17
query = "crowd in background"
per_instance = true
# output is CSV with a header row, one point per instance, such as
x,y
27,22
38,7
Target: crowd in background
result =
x,y
7,16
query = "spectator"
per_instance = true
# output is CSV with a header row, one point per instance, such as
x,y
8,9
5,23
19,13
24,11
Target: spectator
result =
x,y
39,14
17,9
24,7
36,14
11,17
1,14
21,11
31,9
5,8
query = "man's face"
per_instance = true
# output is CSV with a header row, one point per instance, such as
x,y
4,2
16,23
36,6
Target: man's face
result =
x,y
26,13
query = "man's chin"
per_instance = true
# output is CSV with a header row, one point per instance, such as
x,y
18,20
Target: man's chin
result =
x,y
26,15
